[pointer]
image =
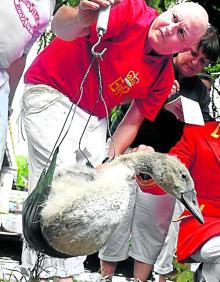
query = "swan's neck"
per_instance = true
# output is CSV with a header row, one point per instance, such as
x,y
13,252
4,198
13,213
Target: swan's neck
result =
x,y
140,162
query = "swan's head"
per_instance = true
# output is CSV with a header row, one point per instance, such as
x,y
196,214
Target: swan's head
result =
x,y
169,173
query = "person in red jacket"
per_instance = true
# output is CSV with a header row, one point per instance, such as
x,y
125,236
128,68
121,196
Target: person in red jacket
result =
x,y
199,150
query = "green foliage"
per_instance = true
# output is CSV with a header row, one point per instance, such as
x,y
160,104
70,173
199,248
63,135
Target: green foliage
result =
x,y
22,173
155,4
45,39
185,276
161,5
114,113
73,2
32,280
59,3
181,272
213,68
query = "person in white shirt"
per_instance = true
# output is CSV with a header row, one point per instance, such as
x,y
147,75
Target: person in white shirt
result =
x,y
22,22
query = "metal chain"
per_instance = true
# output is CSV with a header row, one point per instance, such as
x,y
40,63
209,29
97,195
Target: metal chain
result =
x,y
74,110
94,59
106,109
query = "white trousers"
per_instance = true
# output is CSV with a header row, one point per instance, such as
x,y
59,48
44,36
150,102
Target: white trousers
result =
x,y
143,229
4,94
164,263
44,113
209,254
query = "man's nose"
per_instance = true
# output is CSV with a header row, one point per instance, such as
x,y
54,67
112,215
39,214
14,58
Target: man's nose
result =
x,y
171,28
194,62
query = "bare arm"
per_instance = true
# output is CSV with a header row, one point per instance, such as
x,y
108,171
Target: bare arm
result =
x,y
15,71
126,131
73,22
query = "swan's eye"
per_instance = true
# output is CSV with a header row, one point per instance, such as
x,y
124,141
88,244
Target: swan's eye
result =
x,y
183,176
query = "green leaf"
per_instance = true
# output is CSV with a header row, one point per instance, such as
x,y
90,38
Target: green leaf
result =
x,y
186,276
22,172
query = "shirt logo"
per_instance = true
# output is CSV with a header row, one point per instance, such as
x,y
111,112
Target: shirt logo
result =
x,y
23,8
122,85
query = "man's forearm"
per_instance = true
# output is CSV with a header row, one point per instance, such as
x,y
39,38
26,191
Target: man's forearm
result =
x,y
66,24
15,72
121,140
126,131
70,23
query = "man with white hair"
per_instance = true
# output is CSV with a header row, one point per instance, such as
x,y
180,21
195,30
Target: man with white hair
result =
x,y
146,223
137,65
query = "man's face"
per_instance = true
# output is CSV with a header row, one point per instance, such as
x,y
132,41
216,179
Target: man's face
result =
x,y
190,63
177,29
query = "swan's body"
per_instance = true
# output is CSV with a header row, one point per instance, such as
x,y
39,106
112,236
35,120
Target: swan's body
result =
x,y
85,206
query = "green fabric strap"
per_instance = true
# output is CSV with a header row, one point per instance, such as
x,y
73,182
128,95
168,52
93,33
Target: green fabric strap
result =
x,y
31,218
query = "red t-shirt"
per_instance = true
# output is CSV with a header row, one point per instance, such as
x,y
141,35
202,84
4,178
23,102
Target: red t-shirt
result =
x,y
128,71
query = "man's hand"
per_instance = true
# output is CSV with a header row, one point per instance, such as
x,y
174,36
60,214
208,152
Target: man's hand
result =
x,y
142,147
70,23
175,88
88,11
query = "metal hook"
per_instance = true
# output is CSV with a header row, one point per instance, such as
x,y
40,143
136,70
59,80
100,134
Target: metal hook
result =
x,y
98,54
